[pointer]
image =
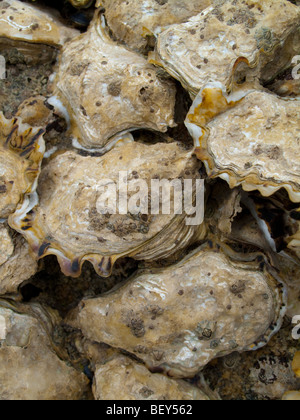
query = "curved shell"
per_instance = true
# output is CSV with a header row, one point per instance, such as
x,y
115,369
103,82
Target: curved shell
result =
x,y
16,263
236,306
135,21
70,222
30,368
21,153
230,42
109,90
34,31
248,138
124,379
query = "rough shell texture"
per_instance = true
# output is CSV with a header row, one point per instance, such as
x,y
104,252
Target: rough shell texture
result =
x,y
69,222
21,153
16,263
124,379
30,368
234,40
250,141
32,30
236,306
134,21
109,90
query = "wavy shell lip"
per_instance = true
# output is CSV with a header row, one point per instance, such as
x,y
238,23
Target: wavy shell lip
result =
x,y
248,138
21,152
66,223
24,22
108,90
238,40
238,305
135,21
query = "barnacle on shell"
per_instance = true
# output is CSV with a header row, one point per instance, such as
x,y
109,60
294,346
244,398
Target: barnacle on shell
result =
x,y
238,303
21,153
67,221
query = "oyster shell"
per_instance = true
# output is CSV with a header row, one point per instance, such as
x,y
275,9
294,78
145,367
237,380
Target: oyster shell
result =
x,y
30,369
248,138
124,379
70,223
237,306
233,41
109,90
21,153
34,32
16,263
135,21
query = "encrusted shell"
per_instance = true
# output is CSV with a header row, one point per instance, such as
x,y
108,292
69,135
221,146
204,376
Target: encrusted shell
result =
x,y
248,138
21,153
135,21
33,31
124,379
180,318
68,223
109,90
16,263
231,42
30,369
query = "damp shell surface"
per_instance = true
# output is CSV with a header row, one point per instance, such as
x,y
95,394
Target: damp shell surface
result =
x,y
30,368
32,30
234,40
249,139
124,379
237,306
109,90
134,22
21,153
67,221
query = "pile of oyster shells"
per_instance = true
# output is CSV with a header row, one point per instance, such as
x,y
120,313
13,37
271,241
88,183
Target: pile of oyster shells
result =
x,y
201,292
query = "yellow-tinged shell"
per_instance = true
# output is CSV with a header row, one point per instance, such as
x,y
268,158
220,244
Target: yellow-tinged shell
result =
x,y
109,90
135,21
67,221
81,4
234,41
21,152
237,302
248,138
296,364
32,30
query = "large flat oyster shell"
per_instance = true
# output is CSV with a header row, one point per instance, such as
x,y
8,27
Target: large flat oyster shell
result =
x,y
248,138
124,379
67,221
108,90
230,42
21,152
180,318
30,369
34,31
134,21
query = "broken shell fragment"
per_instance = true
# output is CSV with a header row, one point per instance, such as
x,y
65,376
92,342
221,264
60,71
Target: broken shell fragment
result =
x,y
77,218
33,31
30,368
16,263
134,22
21,153
248,138
230,43
238,305
124,379
108,90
